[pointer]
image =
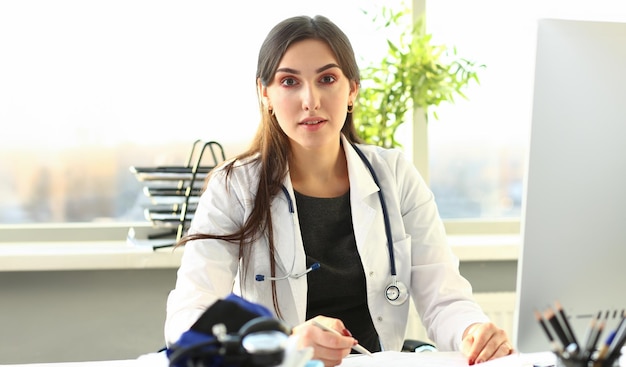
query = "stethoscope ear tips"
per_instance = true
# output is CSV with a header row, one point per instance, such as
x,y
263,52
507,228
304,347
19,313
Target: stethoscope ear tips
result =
x,y
396,293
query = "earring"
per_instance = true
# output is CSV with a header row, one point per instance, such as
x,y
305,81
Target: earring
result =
x,y
350,108
270,110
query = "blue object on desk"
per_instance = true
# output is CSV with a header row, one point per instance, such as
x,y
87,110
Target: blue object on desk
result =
x,y
232,332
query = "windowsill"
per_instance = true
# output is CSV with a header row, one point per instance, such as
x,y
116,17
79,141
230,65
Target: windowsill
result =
x,y
501,247
98,255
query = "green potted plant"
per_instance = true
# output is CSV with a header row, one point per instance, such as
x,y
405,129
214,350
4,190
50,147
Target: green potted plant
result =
x,y
414,74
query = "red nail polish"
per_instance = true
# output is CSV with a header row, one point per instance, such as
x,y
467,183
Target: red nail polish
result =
x,y
346,332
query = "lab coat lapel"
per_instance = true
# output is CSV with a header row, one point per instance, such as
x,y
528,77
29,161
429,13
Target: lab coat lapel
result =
x,y
363,195
290,248
285,223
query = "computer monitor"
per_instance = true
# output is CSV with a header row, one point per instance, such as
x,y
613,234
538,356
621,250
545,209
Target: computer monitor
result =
x,y
573,221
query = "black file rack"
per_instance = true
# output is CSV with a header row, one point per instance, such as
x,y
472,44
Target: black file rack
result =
x,y
174,190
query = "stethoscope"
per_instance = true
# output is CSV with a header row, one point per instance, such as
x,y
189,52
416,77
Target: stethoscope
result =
x,y
396,292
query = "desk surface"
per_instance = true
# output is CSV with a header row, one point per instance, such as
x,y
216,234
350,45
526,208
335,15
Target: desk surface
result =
x,y
396,359
441,359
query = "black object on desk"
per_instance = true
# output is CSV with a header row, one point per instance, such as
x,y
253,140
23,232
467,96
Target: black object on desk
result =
x,y
418,346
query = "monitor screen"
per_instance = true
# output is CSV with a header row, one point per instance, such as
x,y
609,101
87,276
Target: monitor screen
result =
x,y
573,222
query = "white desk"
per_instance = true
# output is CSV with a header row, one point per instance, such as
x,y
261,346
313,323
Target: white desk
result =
x,y
395,359
442,359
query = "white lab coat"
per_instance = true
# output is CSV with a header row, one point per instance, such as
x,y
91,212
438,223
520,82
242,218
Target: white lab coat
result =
x,y
424,262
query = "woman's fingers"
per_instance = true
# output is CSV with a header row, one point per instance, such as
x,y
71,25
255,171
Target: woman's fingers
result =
x,y
483,342
328,347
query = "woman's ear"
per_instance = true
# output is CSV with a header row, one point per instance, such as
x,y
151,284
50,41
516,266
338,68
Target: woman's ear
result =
x,y
262,92
354,91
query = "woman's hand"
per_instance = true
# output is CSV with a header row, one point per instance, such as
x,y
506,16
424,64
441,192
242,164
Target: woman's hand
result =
x,y
485,341
327,347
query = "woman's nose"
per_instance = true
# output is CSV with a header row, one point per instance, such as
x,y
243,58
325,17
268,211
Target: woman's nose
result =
x,y
310,98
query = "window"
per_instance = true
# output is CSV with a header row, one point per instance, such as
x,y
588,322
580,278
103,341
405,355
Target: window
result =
x,y
478,147
89,89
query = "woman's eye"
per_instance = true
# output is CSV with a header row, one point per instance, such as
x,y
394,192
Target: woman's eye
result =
x,y
327,79
288,82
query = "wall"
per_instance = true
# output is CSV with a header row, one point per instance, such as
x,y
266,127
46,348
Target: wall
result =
x,y
63,316
66,316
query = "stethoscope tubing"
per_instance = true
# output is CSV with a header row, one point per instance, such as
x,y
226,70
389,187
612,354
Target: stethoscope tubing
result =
x,y
383,204
398,288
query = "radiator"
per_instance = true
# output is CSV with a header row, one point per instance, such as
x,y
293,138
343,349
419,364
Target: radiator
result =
x,y
499,306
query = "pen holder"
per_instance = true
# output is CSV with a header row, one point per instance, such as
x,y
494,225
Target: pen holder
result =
x,y
566,360
572,361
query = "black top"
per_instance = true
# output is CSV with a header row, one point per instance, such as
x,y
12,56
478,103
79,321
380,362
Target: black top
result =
x,y
337,289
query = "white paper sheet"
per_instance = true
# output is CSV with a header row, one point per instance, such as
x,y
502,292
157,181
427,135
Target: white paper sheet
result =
x,y
443,359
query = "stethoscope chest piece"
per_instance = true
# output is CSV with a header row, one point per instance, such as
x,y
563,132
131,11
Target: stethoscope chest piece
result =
x,y
396,293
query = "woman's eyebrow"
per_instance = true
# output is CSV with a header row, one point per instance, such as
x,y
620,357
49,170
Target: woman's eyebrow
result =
x,y
297,72
326,67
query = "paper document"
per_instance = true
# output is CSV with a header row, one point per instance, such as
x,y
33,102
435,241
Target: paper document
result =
x,y
443,359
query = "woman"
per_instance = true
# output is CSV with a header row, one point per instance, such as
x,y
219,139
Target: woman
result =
x,y
305,196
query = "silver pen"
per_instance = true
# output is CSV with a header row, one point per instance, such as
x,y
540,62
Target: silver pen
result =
x,y
359,348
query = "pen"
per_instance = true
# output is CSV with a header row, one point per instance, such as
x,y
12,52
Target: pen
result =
x,y
568,327
556,326
599,331
359,348
619,339
542,322
587,342
603,352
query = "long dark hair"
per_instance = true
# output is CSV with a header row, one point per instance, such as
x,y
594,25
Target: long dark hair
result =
x,y
270,145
